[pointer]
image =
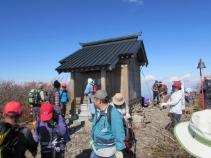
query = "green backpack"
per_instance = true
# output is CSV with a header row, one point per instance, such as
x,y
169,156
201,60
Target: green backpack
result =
x,y
34,97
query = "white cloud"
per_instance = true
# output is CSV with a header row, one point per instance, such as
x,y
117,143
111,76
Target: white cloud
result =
x,y
188,79
182,78
185,77
149,78
139,2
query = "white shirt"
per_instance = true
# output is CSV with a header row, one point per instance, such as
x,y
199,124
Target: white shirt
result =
x,y
42,95
105,152
183,96
175,102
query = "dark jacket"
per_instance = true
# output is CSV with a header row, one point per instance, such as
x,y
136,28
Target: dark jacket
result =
x,y
17,141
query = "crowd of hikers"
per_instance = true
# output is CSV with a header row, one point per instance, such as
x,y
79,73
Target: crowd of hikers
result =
x,y
110,119
111,133
49,130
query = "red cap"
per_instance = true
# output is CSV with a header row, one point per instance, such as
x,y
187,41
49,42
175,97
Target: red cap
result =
x,y
13,107
177,84
46,111
64,85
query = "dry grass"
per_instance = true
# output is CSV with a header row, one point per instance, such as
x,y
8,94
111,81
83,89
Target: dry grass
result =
x,y
9,90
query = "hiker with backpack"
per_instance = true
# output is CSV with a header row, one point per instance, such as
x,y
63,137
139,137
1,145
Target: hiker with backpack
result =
x,y
119,103
156,98
89,94
35,98
63,98
175,102
51,132
107,134
35,101
89,90
54,96
15,139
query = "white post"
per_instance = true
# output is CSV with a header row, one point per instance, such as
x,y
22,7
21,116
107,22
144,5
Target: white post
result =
x,y
103,79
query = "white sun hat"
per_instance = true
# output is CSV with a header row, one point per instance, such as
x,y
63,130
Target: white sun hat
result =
x,y
90,80
195,135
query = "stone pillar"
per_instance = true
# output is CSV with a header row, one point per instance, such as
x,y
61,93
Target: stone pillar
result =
x,y
124,90
72,86
72,92
103,79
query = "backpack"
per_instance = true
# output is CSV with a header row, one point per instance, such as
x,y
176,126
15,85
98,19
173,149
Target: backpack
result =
x,y
9,137
129,132
63,96
34,97
94,88
146,102
207,86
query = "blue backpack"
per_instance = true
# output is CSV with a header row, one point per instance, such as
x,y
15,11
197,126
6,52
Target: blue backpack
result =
x,y
63,95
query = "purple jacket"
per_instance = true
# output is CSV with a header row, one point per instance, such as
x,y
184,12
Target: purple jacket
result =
x,y
51,134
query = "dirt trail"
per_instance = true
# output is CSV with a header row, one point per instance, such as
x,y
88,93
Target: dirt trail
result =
x,y
148,124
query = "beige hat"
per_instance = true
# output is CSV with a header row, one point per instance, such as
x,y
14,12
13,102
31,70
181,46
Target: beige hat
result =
x,y
195,135
118,99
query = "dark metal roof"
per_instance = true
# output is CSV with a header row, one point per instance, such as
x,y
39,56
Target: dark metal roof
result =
x,y
103,54
128,37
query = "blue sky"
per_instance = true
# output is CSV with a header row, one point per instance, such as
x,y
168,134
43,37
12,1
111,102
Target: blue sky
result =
x,y
36,34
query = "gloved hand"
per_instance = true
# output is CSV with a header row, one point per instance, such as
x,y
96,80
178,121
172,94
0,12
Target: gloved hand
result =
x,y
118,154
127,116
90,143
34,123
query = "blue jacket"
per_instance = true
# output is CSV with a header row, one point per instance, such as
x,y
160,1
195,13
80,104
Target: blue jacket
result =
x,y
63,96
106,135
89,89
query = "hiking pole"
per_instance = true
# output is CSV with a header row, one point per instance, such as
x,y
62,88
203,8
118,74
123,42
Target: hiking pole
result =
x,y
135,147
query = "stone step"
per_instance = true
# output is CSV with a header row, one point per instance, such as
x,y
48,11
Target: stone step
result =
x,y
85,100
85,113
84,107
84,118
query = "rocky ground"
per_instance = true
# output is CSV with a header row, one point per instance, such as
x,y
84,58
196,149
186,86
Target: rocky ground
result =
x,y
153,140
